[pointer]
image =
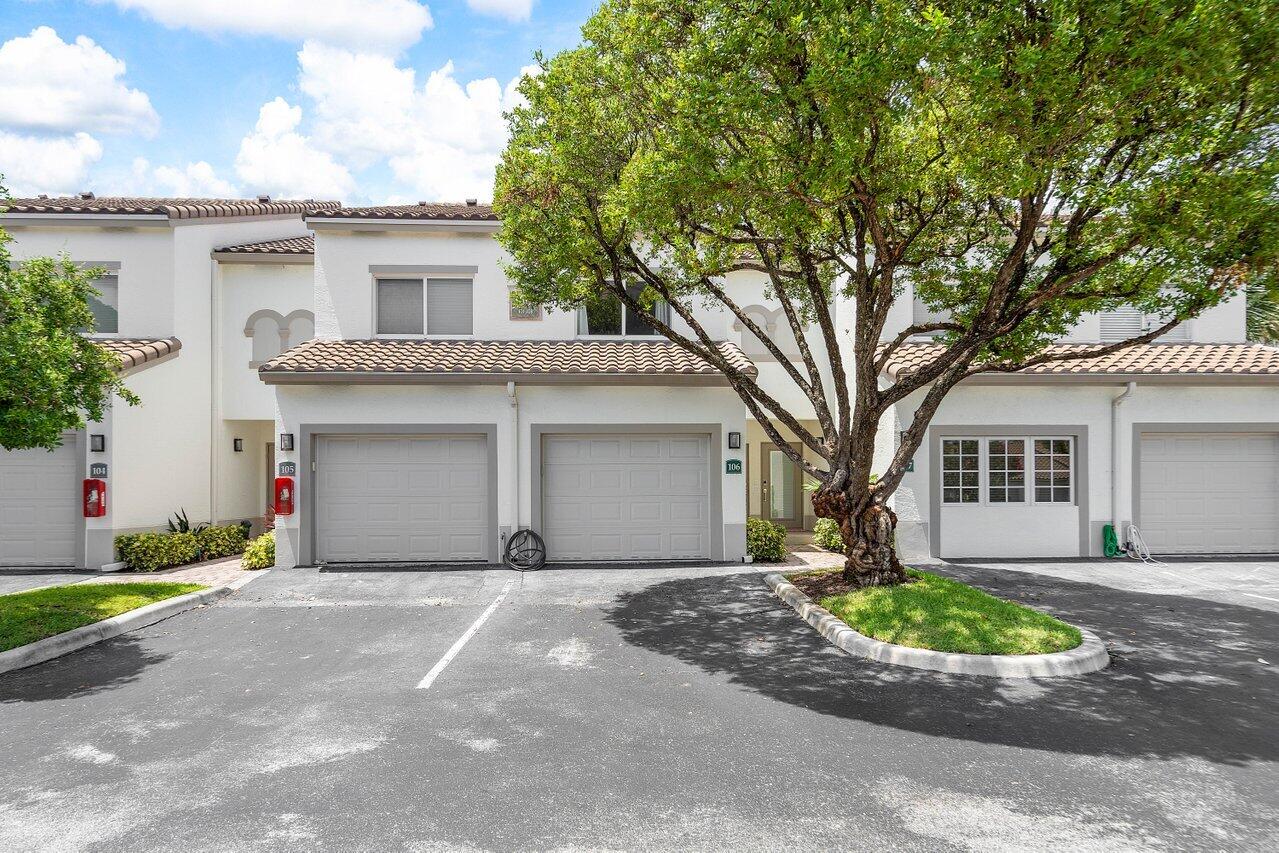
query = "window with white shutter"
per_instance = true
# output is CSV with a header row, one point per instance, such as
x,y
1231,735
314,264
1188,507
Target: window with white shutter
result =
x,y
449,306
1124,323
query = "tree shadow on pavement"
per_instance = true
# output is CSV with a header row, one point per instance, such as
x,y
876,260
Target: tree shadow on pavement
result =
x,y
1185,678
85,672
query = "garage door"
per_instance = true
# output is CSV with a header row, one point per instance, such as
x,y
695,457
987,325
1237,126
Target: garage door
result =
x,y
402,498
1210,492
626,497
39,506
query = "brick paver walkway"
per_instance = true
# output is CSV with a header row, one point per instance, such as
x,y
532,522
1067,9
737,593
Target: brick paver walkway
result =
x,y
210,573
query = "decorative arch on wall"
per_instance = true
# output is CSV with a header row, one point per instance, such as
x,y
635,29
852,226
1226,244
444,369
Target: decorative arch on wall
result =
x,y
272,332
773,322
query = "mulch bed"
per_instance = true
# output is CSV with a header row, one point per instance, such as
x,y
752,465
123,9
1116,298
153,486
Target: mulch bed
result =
x,y
818,586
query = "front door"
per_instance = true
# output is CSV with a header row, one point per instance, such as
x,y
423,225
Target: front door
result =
x,y
782,489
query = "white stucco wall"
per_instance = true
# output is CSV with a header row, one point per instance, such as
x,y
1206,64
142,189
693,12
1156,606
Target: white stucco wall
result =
x,y
489,404
1224,323
1046,531
245,290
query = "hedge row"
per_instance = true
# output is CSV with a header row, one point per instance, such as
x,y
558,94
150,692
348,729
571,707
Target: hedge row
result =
x,y
261,552
149,552
765,541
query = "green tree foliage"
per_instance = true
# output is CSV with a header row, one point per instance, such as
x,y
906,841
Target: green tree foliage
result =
x,y
51,376
1022,162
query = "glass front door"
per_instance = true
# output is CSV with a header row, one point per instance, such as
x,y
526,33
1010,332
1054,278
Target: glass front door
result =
x,y
782,487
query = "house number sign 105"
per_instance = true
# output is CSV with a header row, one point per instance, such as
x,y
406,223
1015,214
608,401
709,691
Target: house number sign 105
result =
x,y
733,466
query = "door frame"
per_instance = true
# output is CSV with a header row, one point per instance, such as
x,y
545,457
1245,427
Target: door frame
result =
x,y
764,449
310,434
714,455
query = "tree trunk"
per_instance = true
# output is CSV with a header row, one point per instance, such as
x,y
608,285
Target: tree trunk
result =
x,y
868,532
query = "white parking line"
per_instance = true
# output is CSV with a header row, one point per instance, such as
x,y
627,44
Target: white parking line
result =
x,y
1265,597
462,640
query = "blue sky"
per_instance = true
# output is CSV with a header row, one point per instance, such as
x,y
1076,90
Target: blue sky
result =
x,y
364,100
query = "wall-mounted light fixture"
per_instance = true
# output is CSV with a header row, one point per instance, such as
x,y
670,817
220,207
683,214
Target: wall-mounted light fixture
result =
x,y
238,445
734,441
98,443
286,441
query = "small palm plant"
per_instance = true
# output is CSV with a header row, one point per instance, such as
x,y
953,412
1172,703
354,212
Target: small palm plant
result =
x,y
1262,294
181,524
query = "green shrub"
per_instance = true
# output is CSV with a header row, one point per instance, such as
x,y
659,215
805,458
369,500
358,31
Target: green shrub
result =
x,y
826,535
147,552
123,543
220,541
765,541
261,552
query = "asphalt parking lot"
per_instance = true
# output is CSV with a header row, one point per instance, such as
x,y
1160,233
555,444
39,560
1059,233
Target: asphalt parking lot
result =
x,y
678,708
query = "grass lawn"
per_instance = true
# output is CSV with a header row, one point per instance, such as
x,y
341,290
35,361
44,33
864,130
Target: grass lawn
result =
x,y
29,616
941,614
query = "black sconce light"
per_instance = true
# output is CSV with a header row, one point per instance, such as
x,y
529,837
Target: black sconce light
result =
x,y
238,444
286,441
734,441
97,443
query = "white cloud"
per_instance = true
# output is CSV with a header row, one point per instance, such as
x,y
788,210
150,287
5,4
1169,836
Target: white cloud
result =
x,y
31,164
277,160
442,139
50,86
511,10
384,24
195,180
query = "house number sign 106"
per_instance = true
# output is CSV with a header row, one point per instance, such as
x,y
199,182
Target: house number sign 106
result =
x,y
733,466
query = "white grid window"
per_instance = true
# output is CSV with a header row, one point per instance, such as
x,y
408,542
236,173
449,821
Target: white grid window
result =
x,y
1003,470
1006,470
1053,470
961,471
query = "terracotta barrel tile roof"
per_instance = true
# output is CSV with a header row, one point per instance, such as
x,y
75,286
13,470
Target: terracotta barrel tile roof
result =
x,y
421,210
173,208
1139,360
431,360
288,246
134,352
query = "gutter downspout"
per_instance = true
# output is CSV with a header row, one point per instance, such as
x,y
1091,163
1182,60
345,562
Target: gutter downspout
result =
x,y
513,505
1116,458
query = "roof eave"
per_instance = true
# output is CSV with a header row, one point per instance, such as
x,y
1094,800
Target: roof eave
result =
x,y
360,223
348,377
1100,378
263,257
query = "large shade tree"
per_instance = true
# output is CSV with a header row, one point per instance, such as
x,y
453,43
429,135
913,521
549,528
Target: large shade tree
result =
x,y
52,377
1020,162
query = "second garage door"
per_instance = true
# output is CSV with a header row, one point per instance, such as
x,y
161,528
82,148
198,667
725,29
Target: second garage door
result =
x,y
626,497
1210,492
402,498
39,506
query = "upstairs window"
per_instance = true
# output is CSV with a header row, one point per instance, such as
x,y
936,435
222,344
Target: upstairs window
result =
x,y
605,315
921,314
1125,323
413,307
105,306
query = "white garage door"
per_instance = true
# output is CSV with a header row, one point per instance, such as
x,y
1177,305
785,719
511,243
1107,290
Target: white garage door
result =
x,y
1210,492
402,498
39,506
626,497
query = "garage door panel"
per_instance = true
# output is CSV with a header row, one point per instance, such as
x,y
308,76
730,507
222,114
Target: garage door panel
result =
x,y
40,506
1210,492
626,497
402,498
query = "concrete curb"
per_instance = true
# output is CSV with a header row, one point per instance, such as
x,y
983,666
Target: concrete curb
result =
x,y
1089,656
69,641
